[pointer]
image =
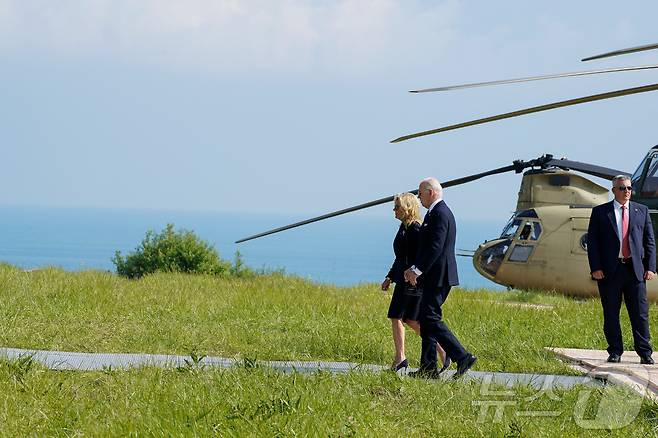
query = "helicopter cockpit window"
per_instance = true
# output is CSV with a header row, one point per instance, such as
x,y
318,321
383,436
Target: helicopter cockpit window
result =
x,y
527,213
525,231
491,258
530,231
511,227
515,222
650,184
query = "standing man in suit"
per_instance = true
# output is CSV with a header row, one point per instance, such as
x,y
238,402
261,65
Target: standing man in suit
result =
x,y
435,272
622,256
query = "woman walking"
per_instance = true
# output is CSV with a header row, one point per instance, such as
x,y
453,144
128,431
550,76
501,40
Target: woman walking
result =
x,y
405,302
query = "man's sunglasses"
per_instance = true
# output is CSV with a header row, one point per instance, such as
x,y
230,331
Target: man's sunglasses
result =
x,y
624,188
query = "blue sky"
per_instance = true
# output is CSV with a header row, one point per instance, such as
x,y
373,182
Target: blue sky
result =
x,y
289,106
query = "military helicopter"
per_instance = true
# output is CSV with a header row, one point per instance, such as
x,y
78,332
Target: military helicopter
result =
x,y
544,244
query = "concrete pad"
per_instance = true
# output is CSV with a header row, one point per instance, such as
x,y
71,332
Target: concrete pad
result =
x,y
641,378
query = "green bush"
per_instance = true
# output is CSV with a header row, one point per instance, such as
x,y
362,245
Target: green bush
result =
x,y
239,269
171,251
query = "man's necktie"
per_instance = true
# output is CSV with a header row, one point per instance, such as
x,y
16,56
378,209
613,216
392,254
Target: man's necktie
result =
x,y
625,245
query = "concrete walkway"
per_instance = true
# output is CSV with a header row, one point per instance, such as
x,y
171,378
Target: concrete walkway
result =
x,y
63,360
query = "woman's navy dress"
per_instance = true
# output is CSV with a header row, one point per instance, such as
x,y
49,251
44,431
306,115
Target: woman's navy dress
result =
x,y
405,307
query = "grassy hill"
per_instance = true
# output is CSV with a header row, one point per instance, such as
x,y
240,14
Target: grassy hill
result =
x,y
276,317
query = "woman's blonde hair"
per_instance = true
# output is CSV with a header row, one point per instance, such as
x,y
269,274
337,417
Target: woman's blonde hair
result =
x,y
410,207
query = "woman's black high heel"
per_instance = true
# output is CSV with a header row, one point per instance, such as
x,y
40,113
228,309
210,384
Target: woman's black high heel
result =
x,y
404,364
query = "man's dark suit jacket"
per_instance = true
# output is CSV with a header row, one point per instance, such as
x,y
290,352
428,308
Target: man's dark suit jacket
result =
x,y
436,249
603,239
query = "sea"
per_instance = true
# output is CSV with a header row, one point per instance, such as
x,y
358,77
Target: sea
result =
x,y
343,251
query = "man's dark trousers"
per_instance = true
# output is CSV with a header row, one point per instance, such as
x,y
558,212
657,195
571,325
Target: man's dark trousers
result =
x,y
624,282
433,330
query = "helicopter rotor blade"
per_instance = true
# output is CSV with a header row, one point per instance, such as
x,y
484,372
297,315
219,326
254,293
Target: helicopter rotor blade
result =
x,y
590,169
319,218
517,166
622,52
535,109
466,179
535,78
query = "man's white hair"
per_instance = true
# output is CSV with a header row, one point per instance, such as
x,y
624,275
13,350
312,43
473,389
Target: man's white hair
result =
x,y
433,184
620,178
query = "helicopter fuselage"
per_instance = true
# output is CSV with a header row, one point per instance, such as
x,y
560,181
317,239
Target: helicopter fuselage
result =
x,y
544,245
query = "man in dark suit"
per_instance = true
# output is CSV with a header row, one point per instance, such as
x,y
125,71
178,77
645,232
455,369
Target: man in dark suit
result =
x,y
622,256
435,272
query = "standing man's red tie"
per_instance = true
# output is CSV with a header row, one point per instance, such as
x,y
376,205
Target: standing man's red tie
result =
x,y
625,246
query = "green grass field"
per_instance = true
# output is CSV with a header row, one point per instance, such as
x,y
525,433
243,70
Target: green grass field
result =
x,y
275,317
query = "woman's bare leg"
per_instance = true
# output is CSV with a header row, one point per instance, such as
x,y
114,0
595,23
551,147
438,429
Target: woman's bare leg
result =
x,y
414,325
442,353
398,340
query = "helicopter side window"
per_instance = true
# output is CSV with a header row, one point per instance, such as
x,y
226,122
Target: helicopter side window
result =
x,y
521,253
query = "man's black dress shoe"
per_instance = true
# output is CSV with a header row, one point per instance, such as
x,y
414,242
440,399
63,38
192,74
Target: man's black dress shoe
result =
x,y
424,374
614,358
646,360
464,365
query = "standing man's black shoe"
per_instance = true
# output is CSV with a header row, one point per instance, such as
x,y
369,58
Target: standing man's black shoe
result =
x,y
614,358
646,360
464,365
